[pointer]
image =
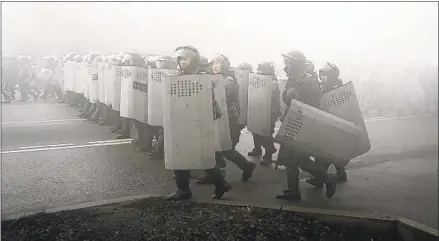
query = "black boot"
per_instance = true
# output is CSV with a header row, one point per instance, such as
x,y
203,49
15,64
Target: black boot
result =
x,y
90,111
330,183
125,131
247,173
267,159
94,117
341,174
221,185
256,152
289,195
182,181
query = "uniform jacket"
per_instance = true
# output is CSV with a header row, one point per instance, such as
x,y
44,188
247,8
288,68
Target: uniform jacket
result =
x,y
331,84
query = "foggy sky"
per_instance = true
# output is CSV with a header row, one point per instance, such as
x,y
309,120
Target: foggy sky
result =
x,y
350,34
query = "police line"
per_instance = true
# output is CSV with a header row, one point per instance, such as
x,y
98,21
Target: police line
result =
x,y
159,97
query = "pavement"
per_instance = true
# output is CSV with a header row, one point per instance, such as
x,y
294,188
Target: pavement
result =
x,y
50,158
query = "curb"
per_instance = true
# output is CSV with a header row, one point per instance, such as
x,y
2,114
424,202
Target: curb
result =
x,y
75,206
409,229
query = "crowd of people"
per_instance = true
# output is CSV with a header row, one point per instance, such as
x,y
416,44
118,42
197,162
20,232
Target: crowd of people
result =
x,y
85,82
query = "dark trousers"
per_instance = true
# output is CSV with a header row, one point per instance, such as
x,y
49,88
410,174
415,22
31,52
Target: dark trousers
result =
x,y
145,133
325,165
303,162
126,126
264,141
160,145
182,178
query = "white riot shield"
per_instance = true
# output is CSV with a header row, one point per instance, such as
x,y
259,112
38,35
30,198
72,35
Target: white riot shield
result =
x,y
342,102
260,89
155,95
66,79
93,86
223,140
109,86
117,72
78,79
126,91
72,77
140,94
282,84
68,76
101,82
188,122
59,75
42,78
87,77
242,76
320,134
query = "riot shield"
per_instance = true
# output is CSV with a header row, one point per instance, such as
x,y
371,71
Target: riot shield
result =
x,y
260,89
117,72
155,95
109,86
320,134
343,102
242,76
126,91
87,77
223,141
140,94
93,86
101,82
188,122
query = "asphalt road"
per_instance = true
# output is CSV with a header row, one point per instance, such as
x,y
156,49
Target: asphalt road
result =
x,y
51,158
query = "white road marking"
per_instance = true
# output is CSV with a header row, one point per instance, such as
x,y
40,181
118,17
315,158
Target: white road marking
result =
x,y
30,147
41,121
65,147
396,118
28,106
111,141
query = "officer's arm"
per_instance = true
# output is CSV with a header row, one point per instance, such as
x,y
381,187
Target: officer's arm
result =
x,y
275,100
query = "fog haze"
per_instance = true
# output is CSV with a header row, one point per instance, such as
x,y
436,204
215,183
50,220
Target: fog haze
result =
x,y
357,36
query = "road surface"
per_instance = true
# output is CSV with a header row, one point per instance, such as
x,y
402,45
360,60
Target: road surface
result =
x,y
51,158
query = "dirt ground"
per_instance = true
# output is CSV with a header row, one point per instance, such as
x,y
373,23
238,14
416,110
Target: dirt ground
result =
x,y
159,220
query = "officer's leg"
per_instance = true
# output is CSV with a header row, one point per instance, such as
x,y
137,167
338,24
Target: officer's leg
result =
x,y
221,185
341,173
148,132
45,92
90,110
104,115
318,172
325,165
94,117
257,150
183,190
239,160
208,179
292,193
140,127
159,149
24,91
118,122
126,127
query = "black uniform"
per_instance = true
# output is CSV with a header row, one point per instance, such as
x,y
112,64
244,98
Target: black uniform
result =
x,y
304,88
